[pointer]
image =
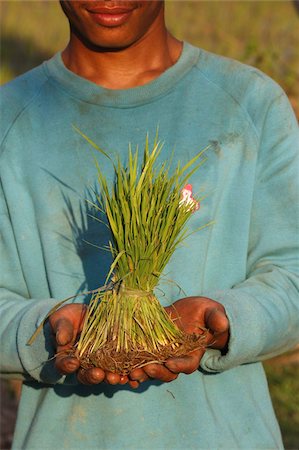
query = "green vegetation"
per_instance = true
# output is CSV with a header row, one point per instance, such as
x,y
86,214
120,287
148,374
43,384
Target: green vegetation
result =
x,y
260,33
31,31
125,326
283,381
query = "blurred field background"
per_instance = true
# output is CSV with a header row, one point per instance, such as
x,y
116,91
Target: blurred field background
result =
x,y
261,33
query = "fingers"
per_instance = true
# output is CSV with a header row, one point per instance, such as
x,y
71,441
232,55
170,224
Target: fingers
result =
x,y
113,378
185,364
96,376
66,323
138,375
69,364
91,376
133,384
124,379
159,372
66,364
64,335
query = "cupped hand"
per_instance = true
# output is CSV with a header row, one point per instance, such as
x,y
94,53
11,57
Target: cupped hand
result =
x,y
191,314
66,324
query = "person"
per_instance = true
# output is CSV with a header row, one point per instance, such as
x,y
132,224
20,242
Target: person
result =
x,y
122,76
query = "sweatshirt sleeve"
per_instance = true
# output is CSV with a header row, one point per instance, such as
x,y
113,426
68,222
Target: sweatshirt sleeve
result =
x,y
20,315
263,310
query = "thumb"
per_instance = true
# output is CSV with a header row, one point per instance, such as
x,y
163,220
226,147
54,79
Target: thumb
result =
x,y
66,322
216,320
63,330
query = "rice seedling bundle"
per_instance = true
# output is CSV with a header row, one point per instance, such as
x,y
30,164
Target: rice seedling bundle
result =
x,y
147,209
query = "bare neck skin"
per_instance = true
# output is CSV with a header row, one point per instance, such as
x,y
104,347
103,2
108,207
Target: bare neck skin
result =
x,y
136,65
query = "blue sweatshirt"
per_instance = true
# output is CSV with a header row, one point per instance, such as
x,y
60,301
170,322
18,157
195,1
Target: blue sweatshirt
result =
x,y
248,260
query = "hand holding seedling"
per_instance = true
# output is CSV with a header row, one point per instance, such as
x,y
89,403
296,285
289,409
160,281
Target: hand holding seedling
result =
x,y
66,324
191,315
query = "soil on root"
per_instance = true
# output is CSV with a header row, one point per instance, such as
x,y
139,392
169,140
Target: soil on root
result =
x,y
122,363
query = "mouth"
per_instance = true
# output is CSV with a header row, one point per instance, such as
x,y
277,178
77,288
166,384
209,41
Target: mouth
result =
x,y
110,16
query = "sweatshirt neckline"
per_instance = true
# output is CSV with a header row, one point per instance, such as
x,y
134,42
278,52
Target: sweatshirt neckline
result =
x,y
90,92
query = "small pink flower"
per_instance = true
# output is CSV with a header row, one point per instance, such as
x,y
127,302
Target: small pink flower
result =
x,y
186,198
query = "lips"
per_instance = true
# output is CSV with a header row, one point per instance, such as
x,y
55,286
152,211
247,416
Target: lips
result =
x,y
110,17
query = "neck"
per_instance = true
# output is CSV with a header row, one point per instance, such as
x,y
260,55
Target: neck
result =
x,y
138,64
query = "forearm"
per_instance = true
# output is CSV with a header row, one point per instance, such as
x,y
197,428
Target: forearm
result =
x,y
264,319
19,319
